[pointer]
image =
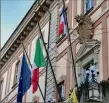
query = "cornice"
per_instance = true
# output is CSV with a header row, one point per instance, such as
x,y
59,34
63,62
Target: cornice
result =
x,y
24,28
27,41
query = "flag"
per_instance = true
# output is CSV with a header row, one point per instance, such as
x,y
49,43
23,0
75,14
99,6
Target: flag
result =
x,y
62,26
39,62
25,79
73,97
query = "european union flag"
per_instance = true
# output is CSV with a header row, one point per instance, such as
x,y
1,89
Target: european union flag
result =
x,y
25,79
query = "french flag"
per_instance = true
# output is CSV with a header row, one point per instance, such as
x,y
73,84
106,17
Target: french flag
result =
x,y
62,26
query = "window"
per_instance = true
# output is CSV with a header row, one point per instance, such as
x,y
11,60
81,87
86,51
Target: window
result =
x,y
16,72
82,71
8,81
62,90
91,72
89,4
45,36
1,88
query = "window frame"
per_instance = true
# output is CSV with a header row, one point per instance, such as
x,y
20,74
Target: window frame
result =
x,y
81,77
91,6
61,84
85,67
17,66
1,87
8,80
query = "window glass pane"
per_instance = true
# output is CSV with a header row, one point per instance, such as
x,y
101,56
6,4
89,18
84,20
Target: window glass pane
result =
x,y
87,5
92,3
91,71
61,90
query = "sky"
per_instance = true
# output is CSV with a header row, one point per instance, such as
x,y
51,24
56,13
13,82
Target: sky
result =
x,y
12,12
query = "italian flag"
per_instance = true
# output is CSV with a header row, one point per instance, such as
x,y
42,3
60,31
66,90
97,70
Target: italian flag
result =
x,y
39,62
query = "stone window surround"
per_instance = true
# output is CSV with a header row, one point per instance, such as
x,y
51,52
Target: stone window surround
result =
x,y
83,59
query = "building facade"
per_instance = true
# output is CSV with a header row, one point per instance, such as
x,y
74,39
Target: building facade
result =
x,y
86,50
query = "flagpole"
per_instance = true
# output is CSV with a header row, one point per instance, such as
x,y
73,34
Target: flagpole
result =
x,y
72,55
48,59
47,47
48,51
24,50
